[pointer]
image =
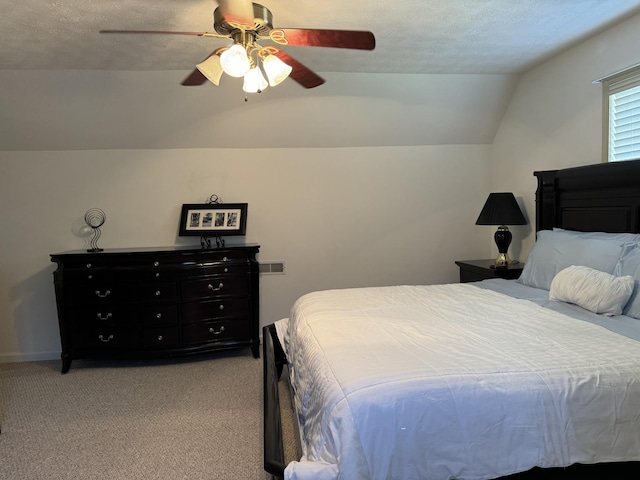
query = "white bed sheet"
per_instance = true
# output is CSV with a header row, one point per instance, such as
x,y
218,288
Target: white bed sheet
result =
x,y
454,381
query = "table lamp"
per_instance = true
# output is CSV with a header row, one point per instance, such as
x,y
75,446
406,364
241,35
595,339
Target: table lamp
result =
x,y
502,209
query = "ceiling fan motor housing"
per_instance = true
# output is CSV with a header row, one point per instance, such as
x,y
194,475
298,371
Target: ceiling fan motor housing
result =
x,y
262,18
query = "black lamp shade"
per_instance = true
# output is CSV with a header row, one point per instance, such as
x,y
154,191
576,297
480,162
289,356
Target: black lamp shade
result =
x,y
501,209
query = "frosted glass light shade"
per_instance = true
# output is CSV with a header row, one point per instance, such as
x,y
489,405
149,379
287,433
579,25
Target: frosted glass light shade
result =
x,y
254,81
234,61
211,69
277,71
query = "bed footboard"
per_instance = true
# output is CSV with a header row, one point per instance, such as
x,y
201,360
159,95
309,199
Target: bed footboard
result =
x,y
273,360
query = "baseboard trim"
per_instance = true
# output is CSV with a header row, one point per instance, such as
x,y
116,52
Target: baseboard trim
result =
x,y
34,357
28,357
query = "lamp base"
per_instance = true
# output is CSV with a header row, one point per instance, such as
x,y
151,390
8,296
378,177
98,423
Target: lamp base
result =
x,y
502,238
504,261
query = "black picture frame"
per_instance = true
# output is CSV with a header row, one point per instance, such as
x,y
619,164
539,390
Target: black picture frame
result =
x,y
213,219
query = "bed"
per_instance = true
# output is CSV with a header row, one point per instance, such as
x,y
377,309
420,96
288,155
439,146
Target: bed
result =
x,y
534,378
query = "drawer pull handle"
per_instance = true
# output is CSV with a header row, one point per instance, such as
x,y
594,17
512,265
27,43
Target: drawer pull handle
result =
x,y
88,265
159,338
157,293
212,330
156,264
108,339
105,317
214,289
158,315
221,307
106,294
157,275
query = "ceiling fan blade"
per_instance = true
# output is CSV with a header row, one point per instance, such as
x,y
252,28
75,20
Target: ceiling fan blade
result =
x,y
164,32
194,79
237,11
300,73
356,39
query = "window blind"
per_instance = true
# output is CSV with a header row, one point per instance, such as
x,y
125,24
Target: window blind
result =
x,y
622,93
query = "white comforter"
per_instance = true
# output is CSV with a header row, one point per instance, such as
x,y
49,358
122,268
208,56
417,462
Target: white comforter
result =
x,y
453,381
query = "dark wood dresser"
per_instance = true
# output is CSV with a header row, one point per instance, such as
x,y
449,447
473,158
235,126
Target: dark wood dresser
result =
x,y
139,303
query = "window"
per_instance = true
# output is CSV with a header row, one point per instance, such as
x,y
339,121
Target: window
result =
x,y
621,96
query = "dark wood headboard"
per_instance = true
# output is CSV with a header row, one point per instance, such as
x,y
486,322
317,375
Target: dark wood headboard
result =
x,y
604,197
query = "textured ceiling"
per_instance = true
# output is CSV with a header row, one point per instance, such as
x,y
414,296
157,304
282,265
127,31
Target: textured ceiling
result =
x,y
413,36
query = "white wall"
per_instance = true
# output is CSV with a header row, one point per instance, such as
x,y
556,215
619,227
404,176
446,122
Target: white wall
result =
x,y
367,180
340,210
554,119
338,217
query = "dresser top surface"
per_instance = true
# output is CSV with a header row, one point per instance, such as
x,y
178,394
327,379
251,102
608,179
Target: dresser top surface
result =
x,y
156,250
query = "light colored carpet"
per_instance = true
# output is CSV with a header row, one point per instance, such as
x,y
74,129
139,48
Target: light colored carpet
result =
x,y
190,418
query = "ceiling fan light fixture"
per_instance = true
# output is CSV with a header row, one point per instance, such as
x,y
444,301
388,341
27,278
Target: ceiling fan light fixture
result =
x,y
277,71
254,81
212,69
234,61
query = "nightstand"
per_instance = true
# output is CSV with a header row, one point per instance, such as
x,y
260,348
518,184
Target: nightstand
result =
x,y
477,270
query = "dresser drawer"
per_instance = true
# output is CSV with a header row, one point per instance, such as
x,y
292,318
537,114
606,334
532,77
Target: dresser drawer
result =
x,y
214,309
157,291
215,286
220,331
220,268
82,263
213,257
103,314
107,338
160,337
99,292
158,314
85,276
148,275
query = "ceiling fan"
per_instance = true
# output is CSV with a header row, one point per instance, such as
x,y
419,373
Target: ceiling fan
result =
x,y
245,24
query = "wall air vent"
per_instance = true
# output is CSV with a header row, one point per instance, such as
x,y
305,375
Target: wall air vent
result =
x,y
272,268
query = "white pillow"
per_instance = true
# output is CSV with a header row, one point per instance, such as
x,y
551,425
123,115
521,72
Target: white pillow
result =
x,y
596,291
555,250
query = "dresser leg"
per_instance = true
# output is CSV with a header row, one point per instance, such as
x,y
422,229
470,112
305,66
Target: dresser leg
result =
x,y
255,350
66,363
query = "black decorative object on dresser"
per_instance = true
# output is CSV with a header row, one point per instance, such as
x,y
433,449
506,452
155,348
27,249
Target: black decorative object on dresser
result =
x,y
126,303
477,270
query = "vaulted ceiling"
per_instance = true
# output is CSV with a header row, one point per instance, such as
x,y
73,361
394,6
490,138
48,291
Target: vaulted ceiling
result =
x,y
413,36
442,72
